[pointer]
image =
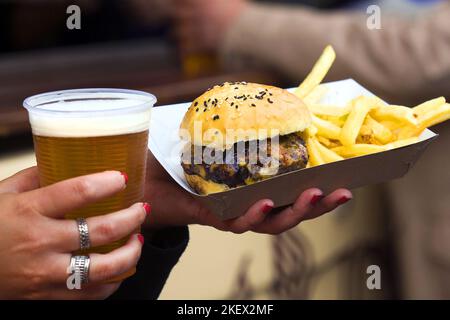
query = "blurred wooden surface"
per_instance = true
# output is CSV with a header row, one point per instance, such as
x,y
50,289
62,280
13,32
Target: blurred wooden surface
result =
x,y
147,66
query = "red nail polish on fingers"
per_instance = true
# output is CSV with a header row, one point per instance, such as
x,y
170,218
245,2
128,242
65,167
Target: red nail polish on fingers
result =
x,y
141,238
267,208
125,176
316,198
343,200
148,208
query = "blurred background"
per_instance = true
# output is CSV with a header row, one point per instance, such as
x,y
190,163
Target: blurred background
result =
x,y
176,49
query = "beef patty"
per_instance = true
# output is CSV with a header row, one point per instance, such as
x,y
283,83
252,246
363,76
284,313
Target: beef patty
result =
x,y
238,168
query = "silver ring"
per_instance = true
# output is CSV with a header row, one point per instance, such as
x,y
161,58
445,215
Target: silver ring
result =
x,y
79,265
85,242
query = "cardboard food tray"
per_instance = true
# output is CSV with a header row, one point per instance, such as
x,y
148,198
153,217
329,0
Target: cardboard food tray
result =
x,y
283,189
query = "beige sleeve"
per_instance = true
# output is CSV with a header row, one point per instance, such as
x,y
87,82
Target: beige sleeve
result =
x,y
406,61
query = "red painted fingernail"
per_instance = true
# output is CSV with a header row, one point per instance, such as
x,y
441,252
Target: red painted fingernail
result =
x,y
147,208
343,200
125,176
267,208
316,198
141,238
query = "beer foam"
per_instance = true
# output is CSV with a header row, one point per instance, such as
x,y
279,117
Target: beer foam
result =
x,y
90,118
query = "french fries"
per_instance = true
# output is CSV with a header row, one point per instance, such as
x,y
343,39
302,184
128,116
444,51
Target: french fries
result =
x,y
438,114
366,136
366,125
338,121
360,108
311,131
433,117
358,149
326,128
424,108
328,142
380,132
408,132
315,95
401,143
395,113
315,158
318,73
327,110
392,125
328,155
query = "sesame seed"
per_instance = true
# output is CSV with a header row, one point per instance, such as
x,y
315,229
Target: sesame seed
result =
x,y
196,103
253,105
196,110
270,101
216,117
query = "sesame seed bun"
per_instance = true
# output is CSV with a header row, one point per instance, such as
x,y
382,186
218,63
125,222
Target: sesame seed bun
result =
x,y
242,111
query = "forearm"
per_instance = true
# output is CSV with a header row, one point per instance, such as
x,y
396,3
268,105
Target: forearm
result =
x,y
406,60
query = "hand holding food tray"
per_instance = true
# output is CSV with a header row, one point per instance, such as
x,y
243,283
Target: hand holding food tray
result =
x,y
352,139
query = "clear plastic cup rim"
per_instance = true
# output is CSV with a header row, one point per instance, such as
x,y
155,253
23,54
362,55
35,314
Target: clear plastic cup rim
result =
x,y
33,103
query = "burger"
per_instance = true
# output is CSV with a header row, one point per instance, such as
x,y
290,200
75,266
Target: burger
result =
x,y
236,132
